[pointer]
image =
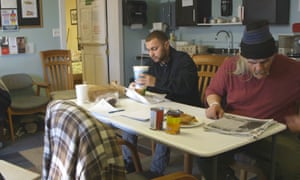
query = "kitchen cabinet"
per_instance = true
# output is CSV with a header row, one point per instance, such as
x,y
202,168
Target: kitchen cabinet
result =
x,y
192,12
274,11
200,12
167,14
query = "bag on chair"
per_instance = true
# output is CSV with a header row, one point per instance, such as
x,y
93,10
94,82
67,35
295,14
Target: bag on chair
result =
x,y
4,102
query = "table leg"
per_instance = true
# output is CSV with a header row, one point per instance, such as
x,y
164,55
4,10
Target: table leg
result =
x,y
215,167
188,163
273,157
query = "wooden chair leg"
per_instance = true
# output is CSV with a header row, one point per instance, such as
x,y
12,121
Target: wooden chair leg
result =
x,y
188,163
243,174
153,144
135,156
245,169
11,126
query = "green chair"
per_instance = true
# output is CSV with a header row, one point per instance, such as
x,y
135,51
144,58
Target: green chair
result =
x,y
26,98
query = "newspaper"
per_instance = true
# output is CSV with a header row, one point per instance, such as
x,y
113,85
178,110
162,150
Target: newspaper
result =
x,y
238,125
149,98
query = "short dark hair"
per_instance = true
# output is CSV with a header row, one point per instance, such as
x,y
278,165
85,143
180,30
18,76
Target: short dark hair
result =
x,y
160,35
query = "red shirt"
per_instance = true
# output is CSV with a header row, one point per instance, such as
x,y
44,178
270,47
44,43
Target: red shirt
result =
x,y
272,97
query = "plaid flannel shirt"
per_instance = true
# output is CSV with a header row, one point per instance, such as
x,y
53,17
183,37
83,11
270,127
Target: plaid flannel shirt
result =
x,y
77,146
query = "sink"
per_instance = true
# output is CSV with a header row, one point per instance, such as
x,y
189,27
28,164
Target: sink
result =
x,y
222,51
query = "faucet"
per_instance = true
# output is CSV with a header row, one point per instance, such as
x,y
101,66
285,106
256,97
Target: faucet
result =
x,y
229,38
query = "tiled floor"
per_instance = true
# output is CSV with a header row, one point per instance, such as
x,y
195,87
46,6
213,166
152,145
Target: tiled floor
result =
x,y
11,152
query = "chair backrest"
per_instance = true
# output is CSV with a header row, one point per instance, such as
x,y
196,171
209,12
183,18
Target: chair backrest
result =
x,y
18,84
57,66
83,147
207,66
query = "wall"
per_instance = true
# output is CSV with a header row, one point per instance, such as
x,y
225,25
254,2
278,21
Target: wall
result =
x,y
132,39
71,29
40,37
199,35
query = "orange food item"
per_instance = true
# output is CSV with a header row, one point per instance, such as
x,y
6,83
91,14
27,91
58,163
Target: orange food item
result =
x,y
187,119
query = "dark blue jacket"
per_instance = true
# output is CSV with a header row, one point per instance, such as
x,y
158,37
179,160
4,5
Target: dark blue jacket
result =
x,y
178,78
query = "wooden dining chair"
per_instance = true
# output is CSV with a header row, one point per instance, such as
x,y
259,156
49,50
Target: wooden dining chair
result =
x,y
57,67
207,66
177,176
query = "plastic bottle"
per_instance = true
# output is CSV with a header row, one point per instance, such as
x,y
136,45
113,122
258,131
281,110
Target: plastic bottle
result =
x,y
173,40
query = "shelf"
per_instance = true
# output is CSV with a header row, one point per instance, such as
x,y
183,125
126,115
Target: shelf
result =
x,y
19,54
144,56
219,24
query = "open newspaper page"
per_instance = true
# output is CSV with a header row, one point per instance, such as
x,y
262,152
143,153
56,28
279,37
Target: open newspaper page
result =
x,y
238,125
149,98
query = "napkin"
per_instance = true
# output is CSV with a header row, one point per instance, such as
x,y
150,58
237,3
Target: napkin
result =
x,y
102,107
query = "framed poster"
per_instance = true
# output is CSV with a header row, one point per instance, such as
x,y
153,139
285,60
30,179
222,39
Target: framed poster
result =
x,y
9,19
30,13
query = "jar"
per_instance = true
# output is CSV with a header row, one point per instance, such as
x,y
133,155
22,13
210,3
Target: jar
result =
x,y
173,122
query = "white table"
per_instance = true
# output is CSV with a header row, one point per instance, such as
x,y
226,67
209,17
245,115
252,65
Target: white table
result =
x,y
11,171
194,141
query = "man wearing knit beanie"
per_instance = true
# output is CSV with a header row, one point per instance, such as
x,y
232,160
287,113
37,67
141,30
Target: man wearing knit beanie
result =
x,y
262,84
257,41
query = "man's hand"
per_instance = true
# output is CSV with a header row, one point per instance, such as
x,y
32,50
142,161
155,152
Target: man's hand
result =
x,y
215,111
293,123
146,80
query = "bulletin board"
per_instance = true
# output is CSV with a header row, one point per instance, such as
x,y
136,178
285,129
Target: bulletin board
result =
x,y
29,12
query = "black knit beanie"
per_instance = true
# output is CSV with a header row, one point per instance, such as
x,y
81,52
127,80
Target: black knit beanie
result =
x,y
257,41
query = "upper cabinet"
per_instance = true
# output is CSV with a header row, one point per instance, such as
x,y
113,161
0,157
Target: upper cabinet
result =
x,y
168,14
274,11
192,12
231,12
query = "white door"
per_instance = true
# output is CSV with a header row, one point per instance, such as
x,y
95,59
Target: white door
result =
x,y
92,38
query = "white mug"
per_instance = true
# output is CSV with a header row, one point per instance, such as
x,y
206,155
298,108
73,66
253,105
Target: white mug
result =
x,y
82,93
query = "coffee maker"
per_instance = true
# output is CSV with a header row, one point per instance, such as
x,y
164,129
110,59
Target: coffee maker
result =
x,y
289,45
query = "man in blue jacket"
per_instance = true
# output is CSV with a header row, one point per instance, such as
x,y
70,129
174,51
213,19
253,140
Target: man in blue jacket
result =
x,y
173,73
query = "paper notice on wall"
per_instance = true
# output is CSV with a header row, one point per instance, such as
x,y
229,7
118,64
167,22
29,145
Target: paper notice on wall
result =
x,y
13,47
9,19
29,9
8,4
186,3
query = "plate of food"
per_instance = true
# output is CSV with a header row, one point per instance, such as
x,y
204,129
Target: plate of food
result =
x,y
188,121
